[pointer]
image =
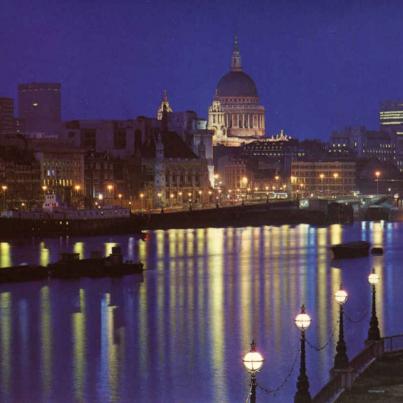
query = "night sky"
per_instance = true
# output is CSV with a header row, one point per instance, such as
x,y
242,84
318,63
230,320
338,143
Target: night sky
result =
x,y
318,65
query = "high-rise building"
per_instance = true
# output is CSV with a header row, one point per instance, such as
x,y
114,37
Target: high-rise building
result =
x,y
391,121
236,115
7,122
391,115
39,107
363,143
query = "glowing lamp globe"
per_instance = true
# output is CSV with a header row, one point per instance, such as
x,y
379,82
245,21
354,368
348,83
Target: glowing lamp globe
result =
x,y
373,278
341,297
253,360
302,320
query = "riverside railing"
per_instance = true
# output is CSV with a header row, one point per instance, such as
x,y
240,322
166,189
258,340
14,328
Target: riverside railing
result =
x,y
343,379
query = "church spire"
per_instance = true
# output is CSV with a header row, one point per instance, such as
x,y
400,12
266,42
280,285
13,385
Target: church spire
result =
x,y
236,56
164,103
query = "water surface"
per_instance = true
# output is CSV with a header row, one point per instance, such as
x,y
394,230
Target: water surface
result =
x,y
179,333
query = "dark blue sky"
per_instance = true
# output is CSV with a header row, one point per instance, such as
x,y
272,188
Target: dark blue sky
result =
x,y
318,65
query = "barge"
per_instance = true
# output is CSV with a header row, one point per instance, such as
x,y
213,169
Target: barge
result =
x,y
72,267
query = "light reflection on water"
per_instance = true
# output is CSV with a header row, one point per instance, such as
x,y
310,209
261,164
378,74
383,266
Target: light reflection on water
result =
x,y
180,335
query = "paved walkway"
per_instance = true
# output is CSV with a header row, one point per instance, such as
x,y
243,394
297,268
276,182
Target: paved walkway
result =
x,y
381,382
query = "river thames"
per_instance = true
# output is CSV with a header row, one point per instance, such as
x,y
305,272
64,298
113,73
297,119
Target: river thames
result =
x,y
178,333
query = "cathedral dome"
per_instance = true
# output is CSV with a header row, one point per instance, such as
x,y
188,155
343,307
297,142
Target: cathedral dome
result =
x,y
236,84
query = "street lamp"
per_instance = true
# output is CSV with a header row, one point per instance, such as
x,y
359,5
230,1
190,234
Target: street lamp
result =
x,y
302,321
253,362
120,198
373,332
4,189
341,359
321,176
377,175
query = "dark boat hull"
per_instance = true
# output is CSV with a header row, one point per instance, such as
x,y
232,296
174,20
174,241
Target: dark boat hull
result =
x,y
351,250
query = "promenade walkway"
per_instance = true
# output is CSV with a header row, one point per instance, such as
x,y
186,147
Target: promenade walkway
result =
x,y
382,381
373,375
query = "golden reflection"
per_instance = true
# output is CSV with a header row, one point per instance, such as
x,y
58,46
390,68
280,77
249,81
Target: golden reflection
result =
x,y
108,247
142,251
46,337
109,362
43,254
5,254
380,292
180,233
216,304
336,234
79,340
5,332
321,237
143,329
377,233
79,248
159,237
244,279
276,288
336,280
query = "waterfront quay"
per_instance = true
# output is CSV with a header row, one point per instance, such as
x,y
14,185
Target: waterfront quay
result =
x,y
275,212
180,332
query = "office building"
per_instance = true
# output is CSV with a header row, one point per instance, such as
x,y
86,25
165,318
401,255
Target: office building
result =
x,y
39,108
7,121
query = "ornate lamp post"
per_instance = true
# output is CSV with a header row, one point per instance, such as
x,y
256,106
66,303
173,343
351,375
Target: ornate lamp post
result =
x,y
373,332
302,321
253,362
341,359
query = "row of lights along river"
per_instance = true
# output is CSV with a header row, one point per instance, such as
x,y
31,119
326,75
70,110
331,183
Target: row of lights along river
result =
x,y
253,360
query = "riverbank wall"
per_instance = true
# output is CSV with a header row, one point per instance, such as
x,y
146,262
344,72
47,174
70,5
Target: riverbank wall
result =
x,y
279,213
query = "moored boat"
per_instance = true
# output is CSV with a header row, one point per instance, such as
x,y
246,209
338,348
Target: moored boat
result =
x,y
350,250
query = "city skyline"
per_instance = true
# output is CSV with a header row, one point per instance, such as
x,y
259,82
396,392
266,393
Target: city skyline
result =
x,y
317,67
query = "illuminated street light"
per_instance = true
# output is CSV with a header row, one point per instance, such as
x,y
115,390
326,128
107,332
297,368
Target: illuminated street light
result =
x,y
377,175
4,189
253,362
302,321
341,359
373,333
44,188
322,176
77,188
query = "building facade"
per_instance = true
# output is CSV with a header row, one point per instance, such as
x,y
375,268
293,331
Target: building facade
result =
x,y
360,142
39,108
61,169
19,178
7,120
391,122
236,115
323,178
